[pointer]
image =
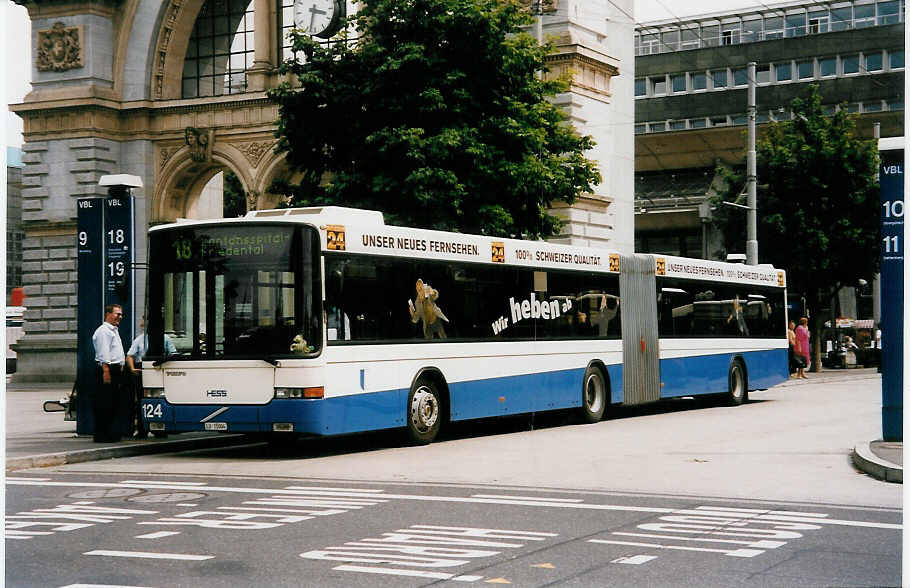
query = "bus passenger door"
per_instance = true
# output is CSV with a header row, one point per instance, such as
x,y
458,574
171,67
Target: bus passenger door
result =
x,y
640,354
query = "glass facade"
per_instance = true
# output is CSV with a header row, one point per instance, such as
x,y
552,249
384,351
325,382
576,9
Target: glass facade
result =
x,y
220,49
779,23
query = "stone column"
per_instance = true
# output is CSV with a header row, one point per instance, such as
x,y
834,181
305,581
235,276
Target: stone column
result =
x,y
589,37
257,76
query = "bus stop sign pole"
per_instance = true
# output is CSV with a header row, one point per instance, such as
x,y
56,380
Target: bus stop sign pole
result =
x,y
891,178
106,255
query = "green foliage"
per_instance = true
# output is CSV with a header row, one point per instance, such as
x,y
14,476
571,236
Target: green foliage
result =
x,y
234,199
818,214
434,115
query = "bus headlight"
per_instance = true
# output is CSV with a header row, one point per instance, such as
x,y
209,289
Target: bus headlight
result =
x,y
153,393
314,392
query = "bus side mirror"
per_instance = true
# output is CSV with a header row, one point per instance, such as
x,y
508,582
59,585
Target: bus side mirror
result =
x,y
54,406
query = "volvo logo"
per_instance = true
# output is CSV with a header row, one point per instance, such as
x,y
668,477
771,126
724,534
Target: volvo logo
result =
x,y
216,393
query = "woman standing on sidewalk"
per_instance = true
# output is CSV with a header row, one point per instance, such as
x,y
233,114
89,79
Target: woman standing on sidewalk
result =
x,y
802,345
791,351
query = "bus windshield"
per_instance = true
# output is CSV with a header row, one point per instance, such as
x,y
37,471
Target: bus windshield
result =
x,y
239,291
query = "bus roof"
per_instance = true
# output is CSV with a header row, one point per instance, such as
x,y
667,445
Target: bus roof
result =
x,y
364,231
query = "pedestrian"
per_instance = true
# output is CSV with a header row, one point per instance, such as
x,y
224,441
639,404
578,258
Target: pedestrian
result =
x,y
134,362
802,345
791,350
109,359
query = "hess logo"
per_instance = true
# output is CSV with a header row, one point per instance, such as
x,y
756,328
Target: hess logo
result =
x,y
216,393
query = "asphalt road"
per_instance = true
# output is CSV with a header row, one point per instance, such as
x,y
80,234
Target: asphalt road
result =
x,y
669,495
113,530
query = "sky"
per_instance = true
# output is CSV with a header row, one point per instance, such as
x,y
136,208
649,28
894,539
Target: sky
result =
x,y
15,70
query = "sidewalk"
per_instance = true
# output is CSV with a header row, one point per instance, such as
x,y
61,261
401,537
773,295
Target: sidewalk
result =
x,y
35,438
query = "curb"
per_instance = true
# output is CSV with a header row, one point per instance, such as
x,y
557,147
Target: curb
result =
x,y
96,454
868,462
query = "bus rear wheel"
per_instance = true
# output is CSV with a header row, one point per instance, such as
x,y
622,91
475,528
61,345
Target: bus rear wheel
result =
x,y
593,395
737,384
424,412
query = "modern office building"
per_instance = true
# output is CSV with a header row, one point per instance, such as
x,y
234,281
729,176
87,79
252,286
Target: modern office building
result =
x,y
691,98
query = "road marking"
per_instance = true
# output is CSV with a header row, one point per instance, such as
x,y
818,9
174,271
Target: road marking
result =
x,y
296,491
190,504
545,498
762,511
546,566
157,535
149,555
635,560
497,581
411,573
100,586
159,482
320,488
425,546
730,552
761,544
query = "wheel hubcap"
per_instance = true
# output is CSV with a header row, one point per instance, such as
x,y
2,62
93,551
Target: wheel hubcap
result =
x,y
737,383
593,393
424,409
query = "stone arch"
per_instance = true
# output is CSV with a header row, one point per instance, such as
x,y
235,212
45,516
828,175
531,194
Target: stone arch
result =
x,y
182,179
170,48
274,167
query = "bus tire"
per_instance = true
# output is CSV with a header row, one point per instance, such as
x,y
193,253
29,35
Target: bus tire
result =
x,y
424,412
593,395
738,392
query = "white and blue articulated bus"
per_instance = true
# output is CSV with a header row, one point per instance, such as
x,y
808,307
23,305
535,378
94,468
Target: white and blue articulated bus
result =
x,y
326,321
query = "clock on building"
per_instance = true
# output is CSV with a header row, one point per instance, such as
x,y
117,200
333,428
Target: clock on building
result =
x,y
319,18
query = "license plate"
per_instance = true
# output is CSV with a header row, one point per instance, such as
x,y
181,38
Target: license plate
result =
x,y
216,426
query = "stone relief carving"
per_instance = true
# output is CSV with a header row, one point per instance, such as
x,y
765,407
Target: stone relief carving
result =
x,y
255,150
252,200
166,153
200,143
164,39
60,48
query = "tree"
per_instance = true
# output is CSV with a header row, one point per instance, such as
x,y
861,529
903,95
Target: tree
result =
x,y
436,115
234,199
817,204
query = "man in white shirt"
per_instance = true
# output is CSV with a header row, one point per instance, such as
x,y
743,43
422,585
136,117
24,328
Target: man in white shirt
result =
x,y
109,358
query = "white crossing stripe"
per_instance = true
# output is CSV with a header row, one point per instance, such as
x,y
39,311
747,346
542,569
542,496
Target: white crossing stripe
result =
x,y
760,544
411,573
733,553
157,535
149,555
295,491
544,498
159,482
310,488
634,560
100,586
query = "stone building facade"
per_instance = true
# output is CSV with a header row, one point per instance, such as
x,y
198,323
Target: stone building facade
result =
x,y
173,91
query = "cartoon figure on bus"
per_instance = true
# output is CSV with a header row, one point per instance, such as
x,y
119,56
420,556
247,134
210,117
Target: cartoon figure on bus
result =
x,y
425,310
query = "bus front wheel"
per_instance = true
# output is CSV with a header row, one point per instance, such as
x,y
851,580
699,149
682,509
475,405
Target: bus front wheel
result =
x,y
594,395
737,383
424,412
